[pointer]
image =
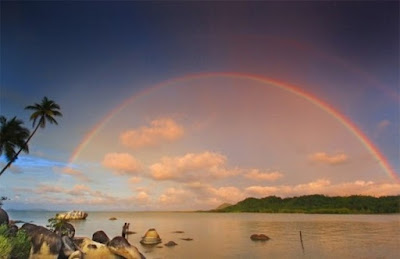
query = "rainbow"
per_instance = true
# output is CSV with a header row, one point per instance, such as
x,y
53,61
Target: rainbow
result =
x,y
346,122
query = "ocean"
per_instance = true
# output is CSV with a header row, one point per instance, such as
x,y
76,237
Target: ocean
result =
x,y
227,235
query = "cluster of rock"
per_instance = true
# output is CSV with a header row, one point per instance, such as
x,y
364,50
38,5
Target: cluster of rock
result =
x,y
72,215
63,244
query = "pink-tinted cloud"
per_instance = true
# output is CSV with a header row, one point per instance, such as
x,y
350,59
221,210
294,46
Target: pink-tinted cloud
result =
x,y
160,131
135,180
121,163
192,167
72,172
322,157
257,175
174,196
324,186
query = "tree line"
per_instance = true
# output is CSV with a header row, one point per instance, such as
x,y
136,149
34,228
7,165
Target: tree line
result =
x,y
355,204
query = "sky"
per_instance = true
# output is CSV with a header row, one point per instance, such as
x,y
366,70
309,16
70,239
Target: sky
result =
x,y
188,105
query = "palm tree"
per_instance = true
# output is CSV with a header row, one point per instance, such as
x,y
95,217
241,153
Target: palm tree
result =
x,y
43,112
12,136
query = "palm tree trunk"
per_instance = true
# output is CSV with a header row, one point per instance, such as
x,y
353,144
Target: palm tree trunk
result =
x,y
19,151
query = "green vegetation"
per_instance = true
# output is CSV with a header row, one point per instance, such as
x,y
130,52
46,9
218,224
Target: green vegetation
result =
x,y
13,136
14,246
355,204
58,225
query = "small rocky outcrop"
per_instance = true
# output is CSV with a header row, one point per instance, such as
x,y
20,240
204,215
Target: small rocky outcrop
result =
x,y
112,218
120,246
101,237
72,215
171,243
151,237
259,237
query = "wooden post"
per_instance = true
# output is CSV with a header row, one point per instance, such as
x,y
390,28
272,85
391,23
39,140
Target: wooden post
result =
x,y
301,240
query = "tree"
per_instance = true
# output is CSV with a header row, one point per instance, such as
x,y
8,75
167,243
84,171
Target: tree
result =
x,y
13,136
44,112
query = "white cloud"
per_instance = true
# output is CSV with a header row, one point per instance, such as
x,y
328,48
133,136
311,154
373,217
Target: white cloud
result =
x,y
192,167
257,175
122,163
322,157
159,131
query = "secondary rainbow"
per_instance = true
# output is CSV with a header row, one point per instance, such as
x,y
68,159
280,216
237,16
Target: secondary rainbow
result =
x,y
346,122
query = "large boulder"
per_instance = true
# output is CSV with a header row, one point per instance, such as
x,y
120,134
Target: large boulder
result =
x,y
120,246
72,215
101,237
94,250
3,217
45,243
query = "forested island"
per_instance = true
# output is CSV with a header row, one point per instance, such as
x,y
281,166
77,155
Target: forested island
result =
x,y
356,204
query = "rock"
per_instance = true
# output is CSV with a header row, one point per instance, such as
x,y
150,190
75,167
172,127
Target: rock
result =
x,y
120,246
68,248
66,229
151,237
94,250
101,237
3,217
12,230
259,237
45,243
72,215
112,218
187,239
171,243
178,232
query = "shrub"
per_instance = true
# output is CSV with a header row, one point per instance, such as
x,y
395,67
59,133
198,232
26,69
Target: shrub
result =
x,y
5,247
17,246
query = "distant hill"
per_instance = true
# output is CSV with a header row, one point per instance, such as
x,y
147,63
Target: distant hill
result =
x,y
355,204
223,206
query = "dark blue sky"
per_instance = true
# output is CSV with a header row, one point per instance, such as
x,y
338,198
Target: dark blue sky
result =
x,y
90,56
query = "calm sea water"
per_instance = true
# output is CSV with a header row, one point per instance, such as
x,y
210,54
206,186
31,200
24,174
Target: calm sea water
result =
x,y
218,235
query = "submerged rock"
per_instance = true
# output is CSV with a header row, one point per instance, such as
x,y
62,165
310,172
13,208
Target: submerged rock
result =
x,y
171,243
72,215
151,237
101,237
259,237
187,239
